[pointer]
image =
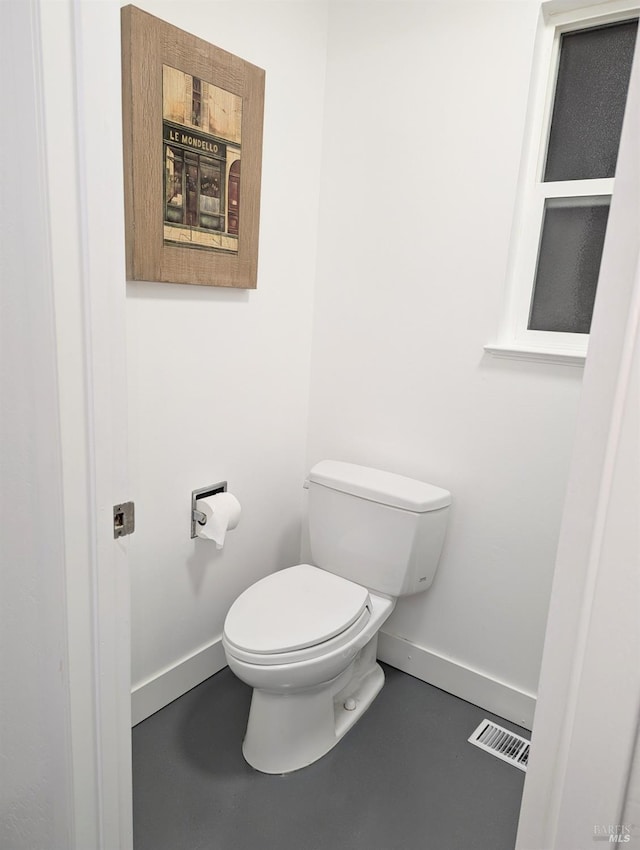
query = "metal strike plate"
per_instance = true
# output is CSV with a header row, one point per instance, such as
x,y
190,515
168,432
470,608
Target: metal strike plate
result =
x,y
124,519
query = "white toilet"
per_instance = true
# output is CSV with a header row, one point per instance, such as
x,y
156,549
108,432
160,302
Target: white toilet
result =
x,y
305,638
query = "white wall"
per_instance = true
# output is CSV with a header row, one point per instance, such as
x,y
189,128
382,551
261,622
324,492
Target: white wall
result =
x,y
35,763
416,143
424,117
219,379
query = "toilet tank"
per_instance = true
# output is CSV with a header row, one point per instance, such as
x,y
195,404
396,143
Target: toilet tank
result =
x,y
378,529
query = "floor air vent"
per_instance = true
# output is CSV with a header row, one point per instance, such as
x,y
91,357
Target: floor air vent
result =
x,y
502,743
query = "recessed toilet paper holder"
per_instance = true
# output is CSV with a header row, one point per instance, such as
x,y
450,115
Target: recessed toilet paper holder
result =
x,y
196,515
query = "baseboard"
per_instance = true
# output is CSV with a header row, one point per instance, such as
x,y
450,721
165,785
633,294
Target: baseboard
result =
x,y
444,673
160,690
457,679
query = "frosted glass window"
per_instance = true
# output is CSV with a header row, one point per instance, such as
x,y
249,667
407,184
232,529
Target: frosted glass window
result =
x,y
569,258
591,92
582,70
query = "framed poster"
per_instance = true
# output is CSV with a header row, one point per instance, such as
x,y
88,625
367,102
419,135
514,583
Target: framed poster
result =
x,y
192,128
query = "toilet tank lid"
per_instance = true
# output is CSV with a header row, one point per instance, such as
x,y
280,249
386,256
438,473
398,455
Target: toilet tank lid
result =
x,y
387,488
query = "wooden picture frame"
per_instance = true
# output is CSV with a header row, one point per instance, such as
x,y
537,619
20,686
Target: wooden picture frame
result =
x,y
192,142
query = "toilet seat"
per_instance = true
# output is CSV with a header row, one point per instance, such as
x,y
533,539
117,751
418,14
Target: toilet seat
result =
x,y
297,613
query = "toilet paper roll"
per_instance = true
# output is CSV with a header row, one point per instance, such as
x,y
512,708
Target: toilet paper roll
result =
x,y
222,511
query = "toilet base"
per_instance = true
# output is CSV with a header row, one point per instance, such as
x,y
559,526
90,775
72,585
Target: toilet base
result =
x,y
290,730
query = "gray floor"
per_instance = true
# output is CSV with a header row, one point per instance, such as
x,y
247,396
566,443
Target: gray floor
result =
x,y
404,778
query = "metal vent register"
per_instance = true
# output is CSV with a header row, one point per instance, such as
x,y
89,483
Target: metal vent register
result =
x,y
502,743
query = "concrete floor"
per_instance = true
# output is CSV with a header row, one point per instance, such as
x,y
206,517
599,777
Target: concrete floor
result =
x,y
404,778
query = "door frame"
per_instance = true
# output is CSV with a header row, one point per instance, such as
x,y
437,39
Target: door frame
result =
x,y
586,718
74,39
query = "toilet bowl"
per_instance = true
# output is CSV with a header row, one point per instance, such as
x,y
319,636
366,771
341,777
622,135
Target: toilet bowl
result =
x,y
312,665
305,637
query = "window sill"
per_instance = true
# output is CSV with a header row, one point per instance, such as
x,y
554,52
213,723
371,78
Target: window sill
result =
x,y
540,355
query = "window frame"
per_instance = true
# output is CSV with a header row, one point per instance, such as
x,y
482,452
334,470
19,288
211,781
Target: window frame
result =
x,y
515,340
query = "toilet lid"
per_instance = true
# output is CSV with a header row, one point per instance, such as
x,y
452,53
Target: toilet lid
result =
x,y
292,609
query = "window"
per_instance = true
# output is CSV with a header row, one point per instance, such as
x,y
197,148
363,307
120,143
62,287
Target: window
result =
x,y
567,180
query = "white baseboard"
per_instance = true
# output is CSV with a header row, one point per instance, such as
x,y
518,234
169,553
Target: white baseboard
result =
x,y
444,673
457,679
160,690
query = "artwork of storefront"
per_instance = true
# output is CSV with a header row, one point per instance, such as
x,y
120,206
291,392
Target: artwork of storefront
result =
x,y
201,170
192,117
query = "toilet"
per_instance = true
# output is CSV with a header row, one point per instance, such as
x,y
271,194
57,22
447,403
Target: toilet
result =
x,y
305,637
